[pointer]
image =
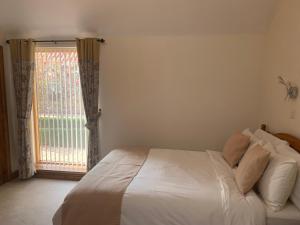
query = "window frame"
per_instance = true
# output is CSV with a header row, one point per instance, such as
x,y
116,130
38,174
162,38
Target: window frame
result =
x,y
42,170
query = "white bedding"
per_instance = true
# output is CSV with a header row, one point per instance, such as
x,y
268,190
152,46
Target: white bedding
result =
x,y
177,187
289,215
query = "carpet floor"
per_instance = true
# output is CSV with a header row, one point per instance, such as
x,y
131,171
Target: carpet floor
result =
x,y
32,202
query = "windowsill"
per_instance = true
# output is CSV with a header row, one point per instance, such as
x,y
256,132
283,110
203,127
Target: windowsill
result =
x,y
60,167
63,172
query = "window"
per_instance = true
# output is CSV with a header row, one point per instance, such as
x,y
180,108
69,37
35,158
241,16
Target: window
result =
x,y
61,137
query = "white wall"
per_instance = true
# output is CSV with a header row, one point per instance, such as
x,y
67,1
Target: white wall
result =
x,y
188,92
282,58
192,92
179,92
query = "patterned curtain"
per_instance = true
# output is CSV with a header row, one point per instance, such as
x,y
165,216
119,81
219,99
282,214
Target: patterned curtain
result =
x,y
88,57
22,58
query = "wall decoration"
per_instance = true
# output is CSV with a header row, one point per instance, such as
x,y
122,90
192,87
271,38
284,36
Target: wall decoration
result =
x,y
292,90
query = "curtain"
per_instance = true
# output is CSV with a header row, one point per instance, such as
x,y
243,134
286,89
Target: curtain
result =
x,y
88,57
22,58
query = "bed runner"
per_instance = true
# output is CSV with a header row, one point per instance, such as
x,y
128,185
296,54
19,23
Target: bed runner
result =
x,y
97,199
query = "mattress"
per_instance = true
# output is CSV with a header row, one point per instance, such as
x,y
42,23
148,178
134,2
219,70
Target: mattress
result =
x,y
175,187
178,187
290,215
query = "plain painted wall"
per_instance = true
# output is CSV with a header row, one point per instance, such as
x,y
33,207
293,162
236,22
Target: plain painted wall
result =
x,y
282,58
184,92
179,92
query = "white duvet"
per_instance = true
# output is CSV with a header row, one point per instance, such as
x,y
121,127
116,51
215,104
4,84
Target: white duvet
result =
x,y
177,187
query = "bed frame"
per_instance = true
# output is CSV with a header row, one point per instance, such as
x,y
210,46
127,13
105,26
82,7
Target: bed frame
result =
x,y
292,140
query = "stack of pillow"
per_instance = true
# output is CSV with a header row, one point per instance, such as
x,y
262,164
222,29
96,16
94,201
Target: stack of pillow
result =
x,y
268,162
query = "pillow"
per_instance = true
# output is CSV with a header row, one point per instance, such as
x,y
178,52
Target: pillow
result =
x,y
278,180
251,168
268,146
235,148
253,138
290,152
267,137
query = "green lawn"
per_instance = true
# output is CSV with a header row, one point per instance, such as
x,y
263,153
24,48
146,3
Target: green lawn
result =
x,y
62,132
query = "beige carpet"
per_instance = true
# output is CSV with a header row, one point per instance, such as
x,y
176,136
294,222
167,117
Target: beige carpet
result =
x,y
32,202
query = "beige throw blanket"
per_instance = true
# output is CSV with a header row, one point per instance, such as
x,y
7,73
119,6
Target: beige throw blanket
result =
x,y
97,199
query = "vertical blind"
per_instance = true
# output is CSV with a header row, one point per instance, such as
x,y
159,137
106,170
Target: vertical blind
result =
x,y
60,112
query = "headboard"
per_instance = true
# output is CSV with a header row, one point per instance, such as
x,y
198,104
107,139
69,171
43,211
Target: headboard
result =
x,y
292,140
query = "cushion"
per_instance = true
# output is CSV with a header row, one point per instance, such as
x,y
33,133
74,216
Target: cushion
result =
x,y
251,167
278,180
267,137
235,148
290,152
253,138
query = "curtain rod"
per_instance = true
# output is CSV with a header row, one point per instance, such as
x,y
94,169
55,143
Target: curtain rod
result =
x,y
55,41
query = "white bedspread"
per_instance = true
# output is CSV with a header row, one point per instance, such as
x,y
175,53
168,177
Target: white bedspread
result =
x,y
177,187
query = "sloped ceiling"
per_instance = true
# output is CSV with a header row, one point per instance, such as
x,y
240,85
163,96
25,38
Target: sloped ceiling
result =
x,y
109,17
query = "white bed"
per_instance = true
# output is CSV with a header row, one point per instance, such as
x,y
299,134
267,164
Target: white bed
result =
x,y
290,215
178,187
181,187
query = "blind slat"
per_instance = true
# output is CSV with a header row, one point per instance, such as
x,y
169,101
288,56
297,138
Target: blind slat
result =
x,y
60,109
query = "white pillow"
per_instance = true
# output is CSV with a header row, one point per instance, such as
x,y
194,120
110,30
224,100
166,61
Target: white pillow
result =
x,y
267,137
290,152
278,180
253,138
268,146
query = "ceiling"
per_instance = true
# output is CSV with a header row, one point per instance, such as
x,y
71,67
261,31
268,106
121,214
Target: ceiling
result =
x,y
150,17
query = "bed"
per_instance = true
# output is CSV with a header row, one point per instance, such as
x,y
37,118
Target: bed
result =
x,y
290,215
166,187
